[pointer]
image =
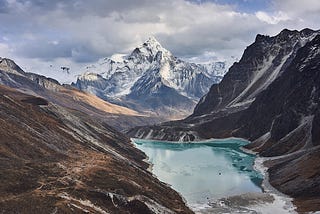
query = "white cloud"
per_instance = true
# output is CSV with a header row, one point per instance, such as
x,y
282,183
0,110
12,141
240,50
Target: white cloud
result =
x,y
5,50
304,7
272,19
303,13
52,68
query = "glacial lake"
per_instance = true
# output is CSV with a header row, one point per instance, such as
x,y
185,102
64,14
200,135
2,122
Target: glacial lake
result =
x,y
203,171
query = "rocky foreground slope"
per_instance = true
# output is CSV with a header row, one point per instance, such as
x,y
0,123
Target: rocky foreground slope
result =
x,y
55,158
271,97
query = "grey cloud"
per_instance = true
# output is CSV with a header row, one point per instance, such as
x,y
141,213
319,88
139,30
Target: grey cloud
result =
x,y
44,50
4,6
48,50
88,30
228,34
79,8
82,54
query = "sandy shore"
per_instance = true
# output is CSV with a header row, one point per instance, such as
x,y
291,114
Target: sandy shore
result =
x,y
270,201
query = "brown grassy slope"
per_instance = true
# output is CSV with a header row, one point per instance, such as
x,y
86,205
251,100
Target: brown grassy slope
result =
x,y
54,159
119,117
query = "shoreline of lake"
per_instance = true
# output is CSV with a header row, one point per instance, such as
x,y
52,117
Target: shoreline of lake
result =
x,y
281,203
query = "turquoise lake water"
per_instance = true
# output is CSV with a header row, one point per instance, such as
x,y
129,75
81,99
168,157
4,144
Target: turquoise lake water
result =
x,y
203,171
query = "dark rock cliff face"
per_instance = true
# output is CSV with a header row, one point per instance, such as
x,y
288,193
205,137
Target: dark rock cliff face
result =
x,y
316,128
261,63
270,97
285,111
291,124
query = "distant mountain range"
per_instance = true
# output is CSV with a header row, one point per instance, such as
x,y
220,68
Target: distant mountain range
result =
x,y
151,79
270,97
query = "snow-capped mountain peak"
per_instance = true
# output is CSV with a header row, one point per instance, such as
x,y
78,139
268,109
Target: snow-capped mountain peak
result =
x,y
153,45
151,50
150,71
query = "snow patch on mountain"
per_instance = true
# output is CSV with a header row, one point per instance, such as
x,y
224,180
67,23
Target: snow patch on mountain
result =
x,y
118,57
165,71
89,76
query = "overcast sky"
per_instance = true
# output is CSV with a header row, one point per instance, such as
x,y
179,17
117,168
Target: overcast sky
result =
x,y
42,33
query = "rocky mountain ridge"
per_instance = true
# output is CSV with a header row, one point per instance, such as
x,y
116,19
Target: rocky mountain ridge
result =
x,y
262,62
119,117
